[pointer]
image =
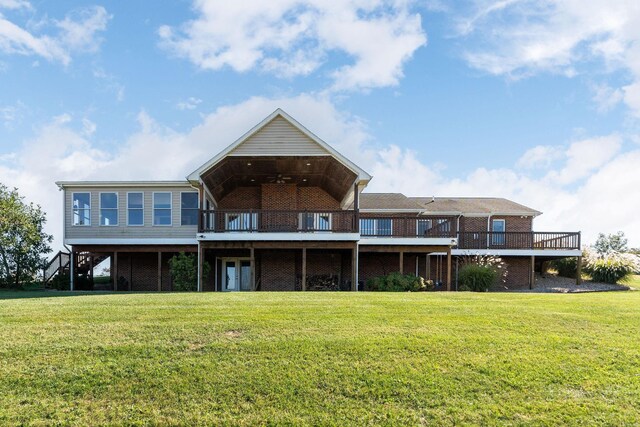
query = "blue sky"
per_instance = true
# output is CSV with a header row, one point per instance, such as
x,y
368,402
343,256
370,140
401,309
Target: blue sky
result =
x,y
536,101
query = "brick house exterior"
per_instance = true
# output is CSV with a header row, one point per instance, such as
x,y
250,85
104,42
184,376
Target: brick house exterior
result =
x,y
281,210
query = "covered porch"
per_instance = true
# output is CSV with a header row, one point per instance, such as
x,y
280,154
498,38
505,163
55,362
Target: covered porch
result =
x,y
278,266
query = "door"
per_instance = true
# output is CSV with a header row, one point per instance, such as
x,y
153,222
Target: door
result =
x,y
236,274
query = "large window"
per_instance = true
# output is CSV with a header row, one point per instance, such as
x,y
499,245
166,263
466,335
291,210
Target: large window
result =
x,y
498,227
423,227
376,226
189,208
108,208
162,208
315,221
135,208
81,208
241,221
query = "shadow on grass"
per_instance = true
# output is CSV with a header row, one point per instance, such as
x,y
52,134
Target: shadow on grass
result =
x,y
46,293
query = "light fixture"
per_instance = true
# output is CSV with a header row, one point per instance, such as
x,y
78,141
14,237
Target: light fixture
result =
x,y
248,163
308,163
253,180
304,179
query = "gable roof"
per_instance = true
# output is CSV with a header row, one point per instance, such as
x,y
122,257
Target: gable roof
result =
x,y
319,147
474,205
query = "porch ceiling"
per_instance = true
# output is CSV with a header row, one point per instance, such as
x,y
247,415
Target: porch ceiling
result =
x,y
310,171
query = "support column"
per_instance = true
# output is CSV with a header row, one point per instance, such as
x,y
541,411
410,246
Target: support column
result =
x,y
354,268
304,269
579,271
252,262
72,269
91,269
448,269
401,262
159,271
200,266
115,271
532,276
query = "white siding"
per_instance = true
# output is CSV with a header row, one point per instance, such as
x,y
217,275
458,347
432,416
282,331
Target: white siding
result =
x,y
122,231
279,138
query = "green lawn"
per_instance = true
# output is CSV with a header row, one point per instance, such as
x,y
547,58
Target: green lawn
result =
x,y
320,358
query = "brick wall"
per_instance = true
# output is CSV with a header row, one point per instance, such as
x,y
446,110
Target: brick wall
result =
x,y
516,223
512,223
315,198
140,269
519,273
278,270
279,197
242,198
377,264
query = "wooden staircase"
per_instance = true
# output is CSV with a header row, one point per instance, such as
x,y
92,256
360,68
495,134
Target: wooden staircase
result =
x,y
61,264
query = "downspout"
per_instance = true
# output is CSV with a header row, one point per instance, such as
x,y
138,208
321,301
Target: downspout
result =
x,y
488,229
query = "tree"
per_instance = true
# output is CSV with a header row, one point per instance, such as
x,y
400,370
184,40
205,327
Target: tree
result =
x,y
23,241
611,243
184,271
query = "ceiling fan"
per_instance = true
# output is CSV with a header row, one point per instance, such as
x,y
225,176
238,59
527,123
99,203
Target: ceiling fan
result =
x,y
279,179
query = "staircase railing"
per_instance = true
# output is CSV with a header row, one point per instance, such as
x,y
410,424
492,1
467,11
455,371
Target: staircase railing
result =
x,y
58,263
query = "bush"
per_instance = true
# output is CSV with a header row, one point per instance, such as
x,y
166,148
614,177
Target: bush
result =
x,y
610,268
61,283
184,272
566,267
477,278
396,282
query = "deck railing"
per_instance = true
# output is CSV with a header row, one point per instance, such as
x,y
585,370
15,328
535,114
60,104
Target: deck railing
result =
x,y
349,221
519,240
278,221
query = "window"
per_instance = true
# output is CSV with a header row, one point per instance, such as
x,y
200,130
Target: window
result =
x,y
423,227
444,226
315,221
241,221
189,208
108,208
498,227
162,208
135,208
81,208
376,226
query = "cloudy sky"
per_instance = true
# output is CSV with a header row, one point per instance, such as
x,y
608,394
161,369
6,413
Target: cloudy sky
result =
x,y
536,101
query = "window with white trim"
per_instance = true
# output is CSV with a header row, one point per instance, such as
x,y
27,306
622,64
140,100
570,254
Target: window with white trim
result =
x,y
81,208
162,208
423,226
498,227
241,221
315,221
109,209
135,208
189,208
376,226
444,225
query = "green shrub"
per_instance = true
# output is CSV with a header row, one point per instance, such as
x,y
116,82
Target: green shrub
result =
x,y
61,283
396,282
608,269
477,278
566,267
184,272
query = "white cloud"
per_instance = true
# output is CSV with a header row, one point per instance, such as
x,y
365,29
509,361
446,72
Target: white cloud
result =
x,y
591,186
15,4
190,103
539,156
297,37
521,37
76,33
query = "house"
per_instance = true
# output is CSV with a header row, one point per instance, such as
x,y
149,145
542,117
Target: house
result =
x,y
281,210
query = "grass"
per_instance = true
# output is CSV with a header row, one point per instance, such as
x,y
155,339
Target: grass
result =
x,y
320,358
632,281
